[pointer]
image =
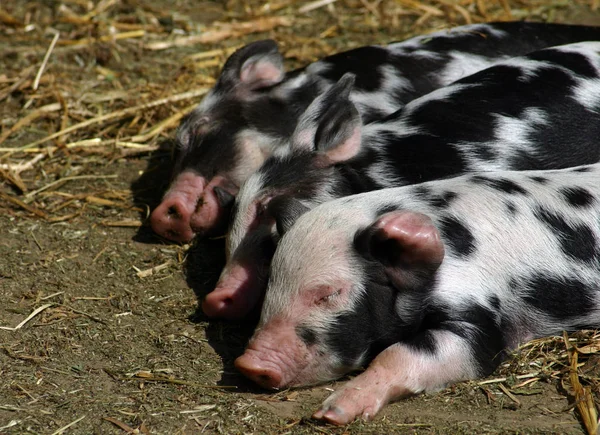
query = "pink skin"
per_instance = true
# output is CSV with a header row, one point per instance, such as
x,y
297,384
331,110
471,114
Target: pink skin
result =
x,y
190,207
366,394
243,281
210,217
236,293
275,356
171,219
399,371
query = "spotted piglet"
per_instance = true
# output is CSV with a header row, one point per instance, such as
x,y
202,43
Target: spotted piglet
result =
x,y
426,285
255,105
539,111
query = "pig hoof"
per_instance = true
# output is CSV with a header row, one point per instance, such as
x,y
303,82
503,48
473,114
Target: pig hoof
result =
x,y
333,415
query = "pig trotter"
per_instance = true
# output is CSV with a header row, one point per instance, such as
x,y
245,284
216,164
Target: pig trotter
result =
x,y
399,371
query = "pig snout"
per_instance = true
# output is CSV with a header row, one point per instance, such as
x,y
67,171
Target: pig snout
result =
x,y
274,357
267,374
213,208
193,207
171,219
237,293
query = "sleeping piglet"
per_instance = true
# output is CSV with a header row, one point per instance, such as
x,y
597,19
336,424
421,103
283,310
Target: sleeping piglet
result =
x,y
426,285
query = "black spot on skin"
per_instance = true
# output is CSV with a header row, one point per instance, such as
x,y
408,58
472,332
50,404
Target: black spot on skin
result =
x,y
577,196
422,192
307,335
479,179
422,157
577,241
500,184
296,175
583,169
286,211
572,61
441,200
480,326
457,236
485,336
363,62
560,297
386,208
511,208
444,200
371,326
495,303
539,179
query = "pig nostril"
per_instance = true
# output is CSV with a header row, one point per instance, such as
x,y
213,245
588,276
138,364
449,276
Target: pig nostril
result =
x,y
172,233
173,212
264,378
228,301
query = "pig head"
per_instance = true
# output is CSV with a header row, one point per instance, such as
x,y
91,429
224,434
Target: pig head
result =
x,y
218,144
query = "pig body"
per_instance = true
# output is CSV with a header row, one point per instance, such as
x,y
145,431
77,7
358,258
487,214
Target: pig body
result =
x,y
427,284
255,105
539,111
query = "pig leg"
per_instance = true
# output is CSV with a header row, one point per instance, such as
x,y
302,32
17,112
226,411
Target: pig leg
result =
x,y
401,370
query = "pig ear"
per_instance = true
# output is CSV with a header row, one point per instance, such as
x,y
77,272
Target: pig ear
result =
x,y
254,66
285,210
331,125
407,244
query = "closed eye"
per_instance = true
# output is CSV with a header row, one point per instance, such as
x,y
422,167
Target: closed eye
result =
x,y
329,297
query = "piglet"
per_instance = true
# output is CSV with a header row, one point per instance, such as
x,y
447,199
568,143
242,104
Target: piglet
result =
x,y
254,106
540,111
426,285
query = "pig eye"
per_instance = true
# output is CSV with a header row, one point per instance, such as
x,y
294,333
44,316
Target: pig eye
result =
x,y
329,297
260,209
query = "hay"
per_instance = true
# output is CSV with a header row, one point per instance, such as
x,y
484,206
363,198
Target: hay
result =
x,y
79,90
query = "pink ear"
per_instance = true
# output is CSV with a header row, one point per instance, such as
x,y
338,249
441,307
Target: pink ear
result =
x,y
416,236
331,124
346,149
262,72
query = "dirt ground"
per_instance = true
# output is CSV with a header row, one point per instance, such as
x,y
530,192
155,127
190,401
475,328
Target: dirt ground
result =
x,y
117,344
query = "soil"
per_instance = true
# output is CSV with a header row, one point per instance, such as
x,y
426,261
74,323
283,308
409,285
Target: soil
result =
x,y
122,348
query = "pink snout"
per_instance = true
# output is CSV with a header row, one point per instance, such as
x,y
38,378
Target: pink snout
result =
x,y
275,356
192,207
171,219
237,293
261,372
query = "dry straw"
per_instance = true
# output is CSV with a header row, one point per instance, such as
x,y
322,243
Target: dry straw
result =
x,y
58,124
